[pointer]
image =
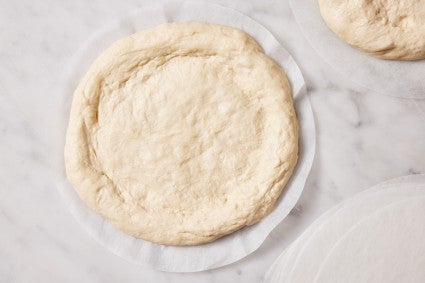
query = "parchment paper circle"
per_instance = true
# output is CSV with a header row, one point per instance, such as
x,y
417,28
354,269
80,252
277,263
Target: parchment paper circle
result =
x,y
281,269
229,248
404,79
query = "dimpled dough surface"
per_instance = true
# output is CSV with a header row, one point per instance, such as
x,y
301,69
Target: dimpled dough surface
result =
x,y
182,133
387,29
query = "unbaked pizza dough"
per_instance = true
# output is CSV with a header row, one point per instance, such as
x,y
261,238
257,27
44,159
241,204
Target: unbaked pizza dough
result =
x,y
182,133
387,29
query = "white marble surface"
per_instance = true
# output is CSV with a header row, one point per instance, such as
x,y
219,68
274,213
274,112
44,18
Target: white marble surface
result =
x,y
363,138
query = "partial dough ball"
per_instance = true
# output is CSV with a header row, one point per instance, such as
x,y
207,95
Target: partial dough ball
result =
x,y
182,133
386,29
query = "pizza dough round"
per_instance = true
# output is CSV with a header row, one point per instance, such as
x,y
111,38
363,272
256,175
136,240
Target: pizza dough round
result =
x,y
386,29
182,133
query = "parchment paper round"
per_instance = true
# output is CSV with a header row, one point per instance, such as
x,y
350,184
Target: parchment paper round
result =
x,y
404,79
388,246
229,248
281,269
311,253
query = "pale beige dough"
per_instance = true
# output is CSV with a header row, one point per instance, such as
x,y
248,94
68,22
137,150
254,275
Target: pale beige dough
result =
x,y
182,133
388,29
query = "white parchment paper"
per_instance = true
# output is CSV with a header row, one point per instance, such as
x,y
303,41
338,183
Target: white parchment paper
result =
x,y
232,247
280,271
405,79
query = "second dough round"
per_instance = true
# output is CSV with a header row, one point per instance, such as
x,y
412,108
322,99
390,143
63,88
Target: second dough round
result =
x,y
386,29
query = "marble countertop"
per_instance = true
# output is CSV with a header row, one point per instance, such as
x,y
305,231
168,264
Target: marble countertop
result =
x,y
363,138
